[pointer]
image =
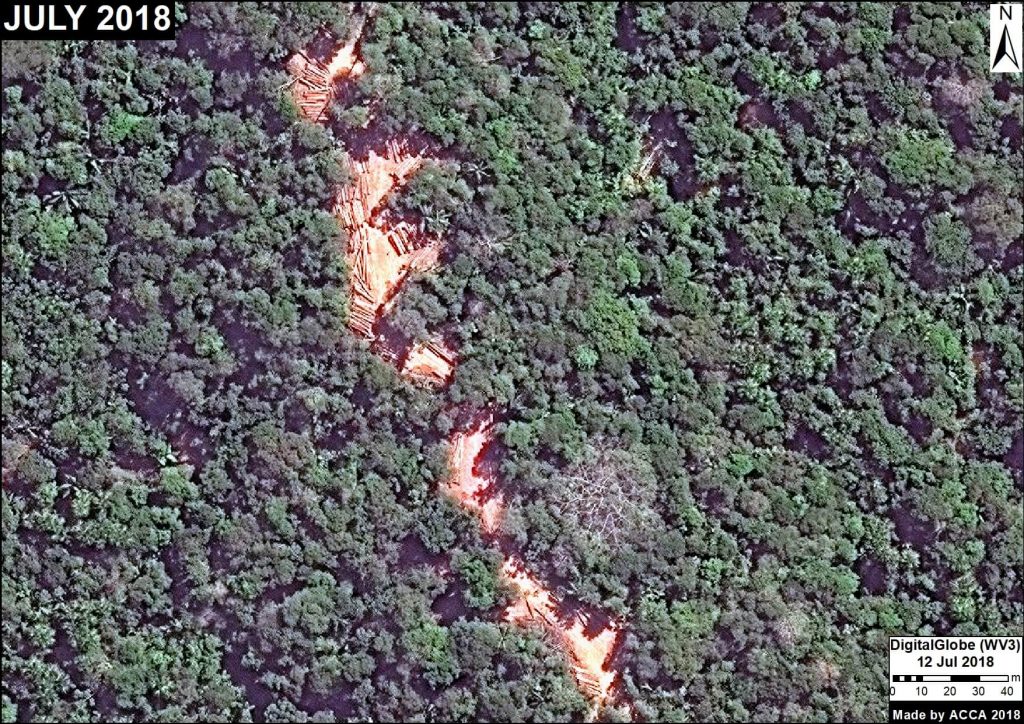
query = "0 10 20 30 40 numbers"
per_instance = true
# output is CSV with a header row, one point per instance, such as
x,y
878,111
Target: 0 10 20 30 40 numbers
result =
x,y
955,668
976,690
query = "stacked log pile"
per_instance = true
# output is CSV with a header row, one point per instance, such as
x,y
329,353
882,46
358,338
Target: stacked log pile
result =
x,y
429,362
380,253
588,655
313,88
313,85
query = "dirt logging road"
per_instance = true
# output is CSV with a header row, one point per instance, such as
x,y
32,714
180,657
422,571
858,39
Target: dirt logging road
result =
x,y
382,252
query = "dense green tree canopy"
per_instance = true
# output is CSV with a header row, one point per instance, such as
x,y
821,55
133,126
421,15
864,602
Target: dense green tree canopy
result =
x,y
754,269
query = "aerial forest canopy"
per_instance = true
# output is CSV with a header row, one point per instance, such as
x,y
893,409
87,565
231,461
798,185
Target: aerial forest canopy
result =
x,y
718,305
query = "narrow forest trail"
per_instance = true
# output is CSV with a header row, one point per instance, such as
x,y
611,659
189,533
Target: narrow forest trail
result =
x,y
382,252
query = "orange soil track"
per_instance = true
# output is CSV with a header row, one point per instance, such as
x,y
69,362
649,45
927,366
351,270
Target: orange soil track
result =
x,y
465,486
588,655
381,255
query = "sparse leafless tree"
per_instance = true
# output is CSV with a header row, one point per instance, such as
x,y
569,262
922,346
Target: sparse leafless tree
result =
x,y
611,493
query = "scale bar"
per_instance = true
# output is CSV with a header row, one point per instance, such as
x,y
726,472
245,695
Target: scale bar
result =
x,y
951,677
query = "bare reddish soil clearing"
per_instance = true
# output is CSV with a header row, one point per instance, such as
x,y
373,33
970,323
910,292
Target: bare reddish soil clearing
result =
x,y
381,253
313,87
471,490
589,655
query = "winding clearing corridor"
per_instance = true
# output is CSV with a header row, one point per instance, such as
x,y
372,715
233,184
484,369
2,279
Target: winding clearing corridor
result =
x,y
381,253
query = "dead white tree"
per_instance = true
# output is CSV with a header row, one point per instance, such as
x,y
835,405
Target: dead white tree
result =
x,y
610,493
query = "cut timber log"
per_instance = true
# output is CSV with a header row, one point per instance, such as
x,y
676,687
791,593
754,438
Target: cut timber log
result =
x,y
429,362
588,655
380,254
313,89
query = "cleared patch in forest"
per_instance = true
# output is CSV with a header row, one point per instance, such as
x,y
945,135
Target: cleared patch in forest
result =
x,y
468,488
313,87
589,655
381,253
